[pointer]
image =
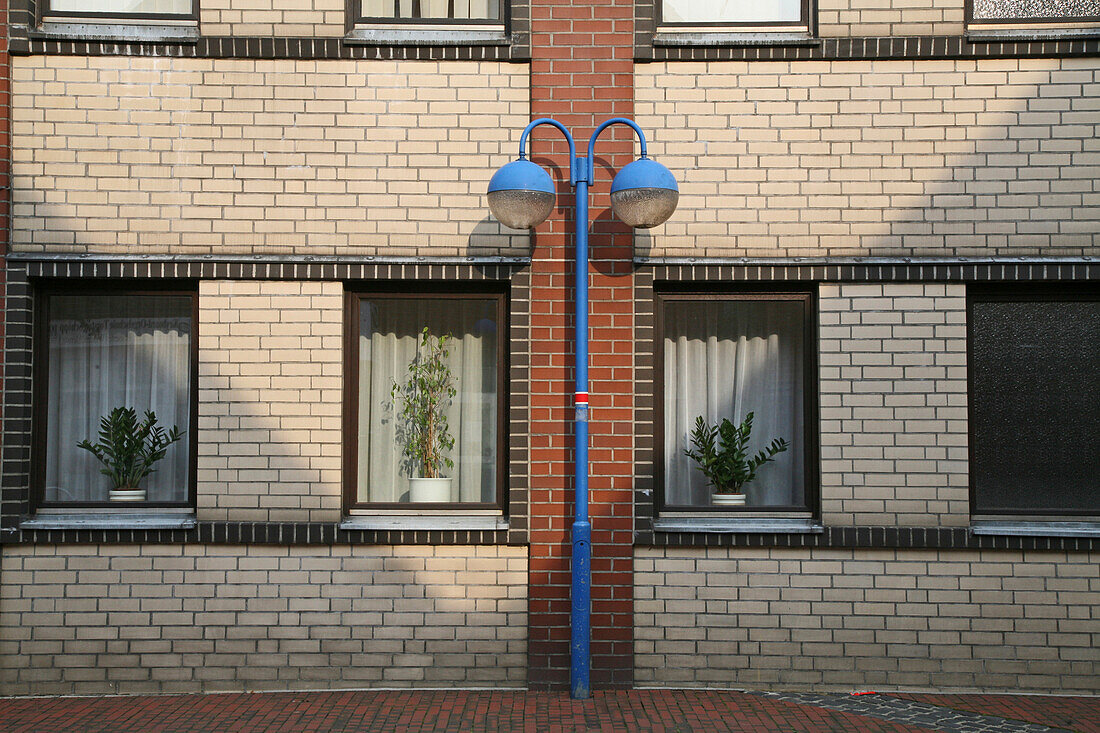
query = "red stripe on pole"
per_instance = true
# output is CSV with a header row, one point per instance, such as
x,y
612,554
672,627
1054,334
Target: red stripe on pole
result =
x,y
581,397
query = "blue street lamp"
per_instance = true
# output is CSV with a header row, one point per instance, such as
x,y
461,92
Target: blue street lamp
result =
x,y
521,196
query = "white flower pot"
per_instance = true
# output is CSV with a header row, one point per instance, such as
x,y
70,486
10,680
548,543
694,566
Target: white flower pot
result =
x,y
728,499
437,490
128,495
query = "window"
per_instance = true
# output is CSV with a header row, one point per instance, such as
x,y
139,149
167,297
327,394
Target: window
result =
x,y
97,351
724,355
734,12
386,333
1034,367
1032,11
431,11
122,8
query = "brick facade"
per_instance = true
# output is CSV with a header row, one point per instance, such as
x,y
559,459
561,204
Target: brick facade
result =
x,y
893,404
858,619
876,158
311,19
174,618
318,157
270,400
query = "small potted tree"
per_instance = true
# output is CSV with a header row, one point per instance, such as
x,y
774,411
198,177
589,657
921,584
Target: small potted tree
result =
x,y
721,452
129,450
424,399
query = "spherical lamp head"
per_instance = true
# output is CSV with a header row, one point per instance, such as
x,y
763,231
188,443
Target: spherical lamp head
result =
x,y
644,194
521,194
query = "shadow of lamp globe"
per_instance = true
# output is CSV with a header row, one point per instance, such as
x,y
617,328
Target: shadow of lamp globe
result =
x,y
521,196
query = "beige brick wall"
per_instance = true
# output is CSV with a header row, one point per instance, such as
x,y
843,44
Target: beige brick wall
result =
x,y
293,18
953,157
158,618
845,18
893,404
270,366
867,619
132,154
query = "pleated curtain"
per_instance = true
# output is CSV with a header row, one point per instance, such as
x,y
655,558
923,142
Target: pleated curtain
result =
x,y
731,11
122,7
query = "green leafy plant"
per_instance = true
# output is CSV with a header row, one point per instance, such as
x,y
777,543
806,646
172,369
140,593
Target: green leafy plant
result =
x,y
722,453
129,449
424,399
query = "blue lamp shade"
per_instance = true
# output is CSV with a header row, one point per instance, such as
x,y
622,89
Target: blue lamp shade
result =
x,y
644,194
521,195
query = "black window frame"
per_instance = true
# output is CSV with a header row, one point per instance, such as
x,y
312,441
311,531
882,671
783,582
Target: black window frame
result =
x,y
48,13
355,12
354,295
40,397
971,20
663,292
808,8
1019,294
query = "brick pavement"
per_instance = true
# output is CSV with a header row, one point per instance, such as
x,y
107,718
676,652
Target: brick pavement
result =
x,y
672,711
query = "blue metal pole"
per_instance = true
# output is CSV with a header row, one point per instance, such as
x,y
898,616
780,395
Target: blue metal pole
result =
x,y
581,596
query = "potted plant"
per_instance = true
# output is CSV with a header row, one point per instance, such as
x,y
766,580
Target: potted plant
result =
x,y
722,453
424,399
129,450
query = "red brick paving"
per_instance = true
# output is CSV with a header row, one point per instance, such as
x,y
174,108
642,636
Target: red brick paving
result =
x,y
672,711
1080,714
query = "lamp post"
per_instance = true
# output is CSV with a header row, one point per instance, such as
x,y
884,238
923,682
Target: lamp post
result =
x,y
521,196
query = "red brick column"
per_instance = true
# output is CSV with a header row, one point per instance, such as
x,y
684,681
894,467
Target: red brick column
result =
x,y
582,74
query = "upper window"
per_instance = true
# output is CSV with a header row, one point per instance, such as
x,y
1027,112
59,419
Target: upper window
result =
x,y
425,417
724,357
734,12
431,11
98,352
122,8
1032,11
1034,365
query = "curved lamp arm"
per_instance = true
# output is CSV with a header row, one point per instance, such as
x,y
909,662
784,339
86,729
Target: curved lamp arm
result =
x,y
545,121
592,142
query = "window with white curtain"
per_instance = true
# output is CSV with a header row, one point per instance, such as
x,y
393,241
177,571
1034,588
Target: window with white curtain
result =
x,y
431,11
121,8
734,12
387,329
724,356
104,351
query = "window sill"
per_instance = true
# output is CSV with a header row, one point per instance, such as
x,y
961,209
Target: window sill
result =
x,y
1035,529
114,520
428,522
122,31
1018,33
769,525
427,36
668,37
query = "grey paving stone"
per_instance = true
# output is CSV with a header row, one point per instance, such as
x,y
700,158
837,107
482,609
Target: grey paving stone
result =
x,y
911,713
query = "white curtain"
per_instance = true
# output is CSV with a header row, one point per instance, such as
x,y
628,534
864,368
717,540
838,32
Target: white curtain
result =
x,y
732,11
724,359
106,352
432,9
107,7
389,330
